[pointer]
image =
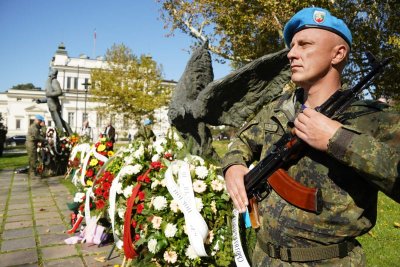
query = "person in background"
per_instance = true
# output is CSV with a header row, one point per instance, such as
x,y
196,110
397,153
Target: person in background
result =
x,y
86,132
145,133
109,132
33,137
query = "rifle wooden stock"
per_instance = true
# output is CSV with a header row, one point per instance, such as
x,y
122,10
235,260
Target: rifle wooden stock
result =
x,y
253,213
295,193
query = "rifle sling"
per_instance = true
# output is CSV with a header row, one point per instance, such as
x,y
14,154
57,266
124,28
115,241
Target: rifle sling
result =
x,y
295,193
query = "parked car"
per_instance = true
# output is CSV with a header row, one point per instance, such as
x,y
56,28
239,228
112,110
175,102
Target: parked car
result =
x,y
16,140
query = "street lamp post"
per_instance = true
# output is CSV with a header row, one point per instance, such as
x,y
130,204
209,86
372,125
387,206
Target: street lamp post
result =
x,y
86,85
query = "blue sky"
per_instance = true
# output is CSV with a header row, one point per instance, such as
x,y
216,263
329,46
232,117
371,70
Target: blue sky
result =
x,y
31,31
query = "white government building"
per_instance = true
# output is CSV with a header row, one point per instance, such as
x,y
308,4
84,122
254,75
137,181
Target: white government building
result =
x,y
18,107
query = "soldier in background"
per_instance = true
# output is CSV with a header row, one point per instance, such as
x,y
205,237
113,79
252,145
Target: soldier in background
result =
x,y
348,162
145,133
33,137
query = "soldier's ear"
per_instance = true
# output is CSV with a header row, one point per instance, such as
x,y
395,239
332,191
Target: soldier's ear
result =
x,y
339,54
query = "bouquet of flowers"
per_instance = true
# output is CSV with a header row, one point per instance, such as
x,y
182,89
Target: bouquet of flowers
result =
x,y
84,179
158,194
102,184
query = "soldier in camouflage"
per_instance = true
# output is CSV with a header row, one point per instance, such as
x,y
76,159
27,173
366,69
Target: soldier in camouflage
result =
x,y
34,136
349,162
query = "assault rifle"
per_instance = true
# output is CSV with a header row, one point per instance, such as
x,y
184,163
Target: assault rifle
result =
x,y
268,173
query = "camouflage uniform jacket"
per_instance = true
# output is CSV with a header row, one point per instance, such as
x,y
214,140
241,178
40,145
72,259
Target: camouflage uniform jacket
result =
x,y
363,157
34,134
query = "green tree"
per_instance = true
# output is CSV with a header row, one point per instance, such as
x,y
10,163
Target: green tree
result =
x,y
24,86
128,84
243,30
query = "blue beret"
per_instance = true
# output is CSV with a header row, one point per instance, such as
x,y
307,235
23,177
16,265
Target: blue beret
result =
x,y
39,117
315,17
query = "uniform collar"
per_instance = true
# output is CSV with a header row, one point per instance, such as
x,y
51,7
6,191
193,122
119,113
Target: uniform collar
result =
x,y
288,106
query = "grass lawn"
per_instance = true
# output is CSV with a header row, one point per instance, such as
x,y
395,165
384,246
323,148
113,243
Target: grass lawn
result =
x,y
13,161
380,244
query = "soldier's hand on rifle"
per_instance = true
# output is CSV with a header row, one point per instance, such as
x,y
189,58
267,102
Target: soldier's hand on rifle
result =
x,y
234,179
315,128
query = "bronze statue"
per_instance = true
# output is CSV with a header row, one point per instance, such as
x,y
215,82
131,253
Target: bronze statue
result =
x,y
198,101
53,91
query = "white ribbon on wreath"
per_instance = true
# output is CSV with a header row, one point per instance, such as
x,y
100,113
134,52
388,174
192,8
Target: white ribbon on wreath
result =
x,y
84,149
112,199
196,226
86,161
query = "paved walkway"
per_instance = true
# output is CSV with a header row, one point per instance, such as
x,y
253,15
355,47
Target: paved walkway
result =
x,y
33,220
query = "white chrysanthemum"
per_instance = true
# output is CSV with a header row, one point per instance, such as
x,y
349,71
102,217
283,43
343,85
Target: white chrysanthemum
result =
x,y
174,206
199,204
132,169
216,247
160,203
139,152
152,245
155,158
118,188
196,160
170,256
217,185
121,212
191,253
179,145
201,172
159,149
158,145
128,191
128,160
170,230
163,183
199,186
156,221
155,184
79,197
221,178
213,206
175,168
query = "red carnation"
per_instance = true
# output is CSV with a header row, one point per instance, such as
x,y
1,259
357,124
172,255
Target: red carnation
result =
x,y
100,204
106,194
134,223
140,208
89,173
141,195
106,186
101,163
168,156
137,237
109,144
98,191
156,165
